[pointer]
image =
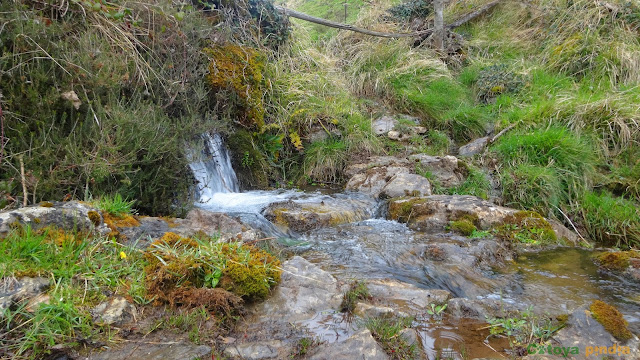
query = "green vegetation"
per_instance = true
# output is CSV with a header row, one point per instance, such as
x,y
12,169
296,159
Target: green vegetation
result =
x,y
525,328
190,275
386,331
616,260
611,319
526,227
358,291
464,227
613,221
115,206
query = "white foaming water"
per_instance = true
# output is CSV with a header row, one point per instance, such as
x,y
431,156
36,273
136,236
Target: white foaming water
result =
x,y
212,168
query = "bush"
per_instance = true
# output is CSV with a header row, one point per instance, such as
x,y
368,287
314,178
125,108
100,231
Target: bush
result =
x,y
412,9
496,80
610,220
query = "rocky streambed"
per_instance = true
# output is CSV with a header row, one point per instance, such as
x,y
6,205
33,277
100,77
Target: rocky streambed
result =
x,y
468,274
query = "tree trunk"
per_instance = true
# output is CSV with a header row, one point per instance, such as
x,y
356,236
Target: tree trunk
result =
x,y
438,26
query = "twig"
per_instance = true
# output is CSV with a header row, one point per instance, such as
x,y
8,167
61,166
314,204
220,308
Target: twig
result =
x,y
23,180
2,142
571,223
504,131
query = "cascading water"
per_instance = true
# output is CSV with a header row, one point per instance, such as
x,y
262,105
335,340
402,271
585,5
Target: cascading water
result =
x,y
212,169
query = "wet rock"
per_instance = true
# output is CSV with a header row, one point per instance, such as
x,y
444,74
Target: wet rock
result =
x,y
13,291
144,350
406,185
584,332
359,346
254,350
563,233
383,125
116,311
370,311
326,211
479,309
304,290
433,213
475,147
72,215
370,177
448,171
406,297
410,336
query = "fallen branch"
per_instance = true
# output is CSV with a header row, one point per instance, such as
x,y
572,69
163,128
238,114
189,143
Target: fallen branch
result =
x,y
472,15
337,25
504,131
463,20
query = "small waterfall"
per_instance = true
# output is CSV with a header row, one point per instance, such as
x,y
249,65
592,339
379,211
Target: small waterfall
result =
x,y
212,168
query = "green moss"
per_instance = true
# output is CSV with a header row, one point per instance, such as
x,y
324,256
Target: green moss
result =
x,y
240,70
253,279
95,217
527,227
403,209
464,227
250,164
611,319
47,204
616,260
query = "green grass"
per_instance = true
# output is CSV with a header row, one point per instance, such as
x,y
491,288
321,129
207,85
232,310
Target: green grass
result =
x,y
358,291
66,319
476,183
115,205
386,331
610,220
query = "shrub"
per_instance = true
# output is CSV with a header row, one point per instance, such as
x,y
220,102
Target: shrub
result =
x,y
610,220
412,9
357,291
496,80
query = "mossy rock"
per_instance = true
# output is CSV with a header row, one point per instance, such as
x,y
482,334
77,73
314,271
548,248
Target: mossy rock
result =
x,y
616,260
251,165
403,209
527,227
464,227
611,319
252,280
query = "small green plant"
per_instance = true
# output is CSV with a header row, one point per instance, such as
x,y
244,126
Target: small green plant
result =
x,y
525,328
116,205
247,160
496,80
386,331
437,310
481,234
304,347
357,291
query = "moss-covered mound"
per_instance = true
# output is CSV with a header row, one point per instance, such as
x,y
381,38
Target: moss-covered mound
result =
x,y
177,263
611,319
616,260
527,227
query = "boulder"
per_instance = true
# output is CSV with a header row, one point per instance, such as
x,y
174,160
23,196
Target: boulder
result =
x,y
306,215
304,290
398,136
14,291
433,213
72,215
475,147
376,162
447,171
383,125
359,346
405,297
365,310
406,185
590,338
116,311
197,221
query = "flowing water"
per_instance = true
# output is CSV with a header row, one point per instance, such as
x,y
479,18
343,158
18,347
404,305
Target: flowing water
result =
x,y
555,281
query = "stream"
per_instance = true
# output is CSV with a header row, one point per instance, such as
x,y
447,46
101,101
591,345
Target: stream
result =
x,y
555,281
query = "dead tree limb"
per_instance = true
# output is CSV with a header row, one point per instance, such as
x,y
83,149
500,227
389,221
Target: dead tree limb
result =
x,y
463,20
337,25
474,14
